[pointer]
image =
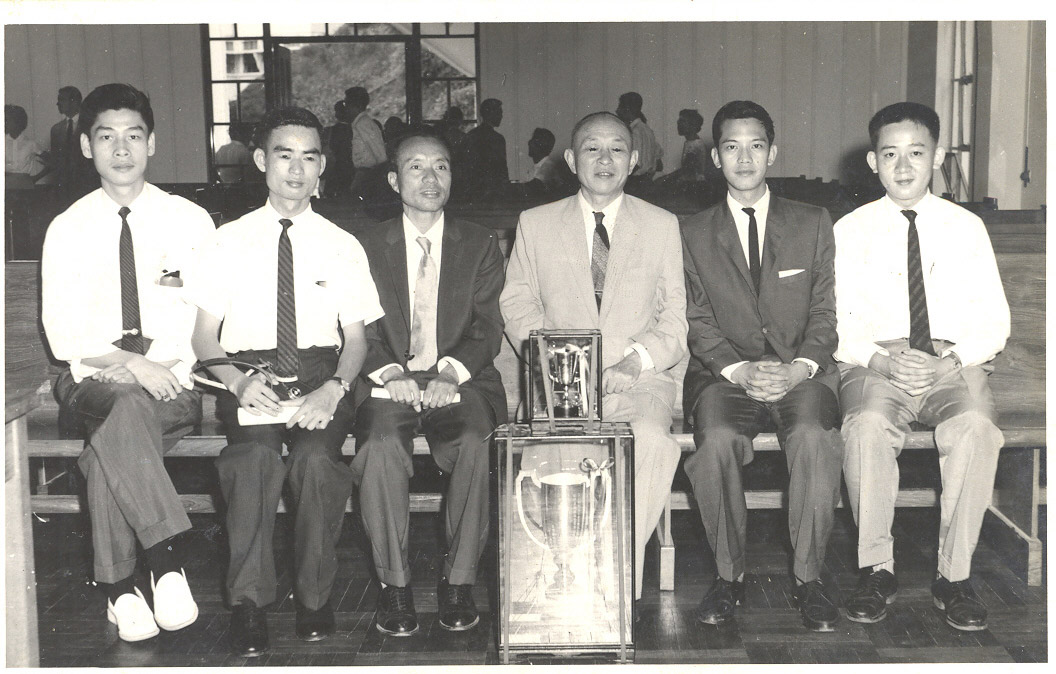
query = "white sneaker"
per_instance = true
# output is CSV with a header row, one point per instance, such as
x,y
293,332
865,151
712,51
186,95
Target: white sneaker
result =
x,y
174,607
132,616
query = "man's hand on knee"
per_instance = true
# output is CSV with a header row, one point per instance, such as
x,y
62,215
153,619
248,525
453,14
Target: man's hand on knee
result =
x,y
156,379
441,391
402,388
315,410
622,375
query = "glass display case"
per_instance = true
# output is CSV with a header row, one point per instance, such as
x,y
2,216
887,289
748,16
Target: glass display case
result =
x,y
563,383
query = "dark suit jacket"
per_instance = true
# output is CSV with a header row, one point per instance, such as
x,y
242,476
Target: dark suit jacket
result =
x,y
73,170
468,323
795,311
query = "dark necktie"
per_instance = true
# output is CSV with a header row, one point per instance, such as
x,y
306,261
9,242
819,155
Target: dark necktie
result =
x,y
69,143
286,300
919,326
599,256
131,330
423,322
753,248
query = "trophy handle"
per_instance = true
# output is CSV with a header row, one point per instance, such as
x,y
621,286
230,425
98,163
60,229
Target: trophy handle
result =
x,y
594,470
521,515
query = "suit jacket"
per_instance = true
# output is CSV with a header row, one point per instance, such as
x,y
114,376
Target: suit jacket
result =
x,y
795,311
79,175
548,284
468,324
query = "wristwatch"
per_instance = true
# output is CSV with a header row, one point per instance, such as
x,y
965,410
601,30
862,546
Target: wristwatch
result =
x,y
346,385
954,357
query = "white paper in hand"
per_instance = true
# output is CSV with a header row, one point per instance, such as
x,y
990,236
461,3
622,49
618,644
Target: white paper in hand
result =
x,y
384,394
249,419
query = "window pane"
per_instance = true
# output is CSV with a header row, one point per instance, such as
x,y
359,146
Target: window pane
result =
x,y
434,100
464,95
225,102
320,73
250,30
252,101
433,29
236,59
342,28
298,29
382,29
221,30
461,29
449,57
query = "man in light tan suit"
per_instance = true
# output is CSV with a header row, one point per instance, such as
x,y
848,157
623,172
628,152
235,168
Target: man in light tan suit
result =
x,y
602,259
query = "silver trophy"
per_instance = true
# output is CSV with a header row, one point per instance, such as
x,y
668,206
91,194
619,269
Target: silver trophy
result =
x,y
567,509
569,372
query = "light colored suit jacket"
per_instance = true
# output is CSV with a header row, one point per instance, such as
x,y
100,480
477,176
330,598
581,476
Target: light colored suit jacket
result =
x,y
548,284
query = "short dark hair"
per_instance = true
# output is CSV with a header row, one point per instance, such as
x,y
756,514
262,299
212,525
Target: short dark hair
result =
x,y
547,137
358,97
904,112
696,121
288,116
17,114
114,96
409,134
71,92
489,104
597,115
742,110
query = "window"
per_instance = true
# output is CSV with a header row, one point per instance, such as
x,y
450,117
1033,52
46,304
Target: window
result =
x,y
415,72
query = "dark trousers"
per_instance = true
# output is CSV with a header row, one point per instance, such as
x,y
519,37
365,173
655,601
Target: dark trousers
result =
x,y
130,495
252,473
459,437
807,424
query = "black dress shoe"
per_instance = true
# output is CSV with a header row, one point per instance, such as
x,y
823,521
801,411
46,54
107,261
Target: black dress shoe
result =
x,y
314,625
868,603
395,614
716,608
819,612
963,609
458,613
249,630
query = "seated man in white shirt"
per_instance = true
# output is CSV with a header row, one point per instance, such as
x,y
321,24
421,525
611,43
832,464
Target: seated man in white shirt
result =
x,y
291,288
545,174
112,307
920,311
22,155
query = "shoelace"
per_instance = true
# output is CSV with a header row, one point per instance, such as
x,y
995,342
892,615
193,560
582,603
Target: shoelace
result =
x,y
254,616
399,598
458,594
872,584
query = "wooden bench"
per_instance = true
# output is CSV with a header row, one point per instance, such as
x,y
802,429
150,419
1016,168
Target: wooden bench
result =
x,y
1018,383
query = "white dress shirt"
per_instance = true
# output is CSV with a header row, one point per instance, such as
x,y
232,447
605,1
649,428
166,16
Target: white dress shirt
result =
x,y
435,234
741,221
368,145
21,155
545,171
236,279
589,224
966,301
649,151
81,279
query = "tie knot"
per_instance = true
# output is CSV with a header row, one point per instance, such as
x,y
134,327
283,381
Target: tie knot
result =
x,y
749,211
286,224
124,211
598,217
424,243
911,216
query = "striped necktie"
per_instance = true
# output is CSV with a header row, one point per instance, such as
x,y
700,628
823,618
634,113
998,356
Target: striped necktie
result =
x,y
286,302
131,329
599,256
919,326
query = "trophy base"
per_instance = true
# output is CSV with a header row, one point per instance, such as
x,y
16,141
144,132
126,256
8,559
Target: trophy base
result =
x,y
567,411
564,582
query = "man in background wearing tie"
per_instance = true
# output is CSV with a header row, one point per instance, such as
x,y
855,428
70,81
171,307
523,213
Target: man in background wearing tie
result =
x,y
70,169
431,356
920,311
606,260
762,330
112,307
291,288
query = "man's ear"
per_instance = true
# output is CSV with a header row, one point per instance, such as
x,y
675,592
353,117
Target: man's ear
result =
x,y
322,163
940,155
86,146
715,157
870,158
150,144
570,159
634,160
394,182
772,155
260,159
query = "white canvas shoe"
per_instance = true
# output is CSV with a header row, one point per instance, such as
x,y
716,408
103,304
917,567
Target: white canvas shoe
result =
x,y
174,607
132,616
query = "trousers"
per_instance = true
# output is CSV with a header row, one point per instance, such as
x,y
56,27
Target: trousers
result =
x,y
130,494
807,425
252,474
876,418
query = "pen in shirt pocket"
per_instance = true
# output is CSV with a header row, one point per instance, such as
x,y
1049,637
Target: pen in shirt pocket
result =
x,y
170,279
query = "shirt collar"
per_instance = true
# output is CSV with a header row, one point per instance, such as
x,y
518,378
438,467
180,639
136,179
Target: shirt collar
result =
x,y
272,215
141,201
762,207
922,206
610,211
435,234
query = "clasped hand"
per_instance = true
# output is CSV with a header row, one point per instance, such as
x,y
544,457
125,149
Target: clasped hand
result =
x,y
769,381
914,371
439,392
155,378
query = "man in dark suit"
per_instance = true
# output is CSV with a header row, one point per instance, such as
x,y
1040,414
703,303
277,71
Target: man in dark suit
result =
x,y
762,331
439,282
72,171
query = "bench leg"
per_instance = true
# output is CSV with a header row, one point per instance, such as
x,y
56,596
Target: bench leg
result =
x,y
1012,530
667,550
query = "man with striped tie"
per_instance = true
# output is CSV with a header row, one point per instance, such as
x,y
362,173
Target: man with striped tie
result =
x,y
291,288
920,311
112,307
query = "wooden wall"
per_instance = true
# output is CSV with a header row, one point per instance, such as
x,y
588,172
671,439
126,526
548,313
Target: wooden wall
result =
x,y
820,81
163,60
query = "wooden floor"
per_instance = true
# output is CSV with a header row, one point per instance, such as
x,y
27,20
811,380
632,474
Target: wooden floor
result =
x,y
74,630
